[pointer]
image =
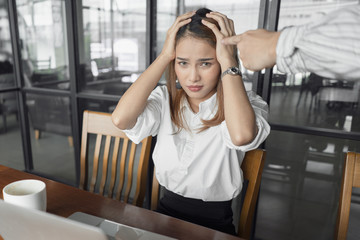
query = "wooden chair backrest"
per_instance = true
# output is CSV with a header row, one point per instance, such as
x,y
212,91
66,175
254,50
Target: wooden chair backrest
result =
x,y
350,179
105,179
252,167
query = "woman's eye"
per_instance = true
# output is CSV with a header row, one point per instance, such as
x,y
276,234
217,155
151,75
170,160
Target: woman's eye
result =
x,y
205,64
182,63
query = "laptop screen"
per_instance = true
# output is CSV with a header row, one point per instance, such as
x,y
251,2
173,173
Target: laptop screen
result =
x,y
22,223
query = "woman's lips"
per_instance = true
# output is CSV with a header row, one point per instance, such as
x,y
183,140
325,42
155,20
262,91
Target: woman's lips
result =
x,y
194,88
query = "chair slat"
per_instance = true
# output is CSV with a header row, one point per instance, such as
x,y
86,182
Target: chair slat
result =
x,y
95,163
155,193
83,154
105,164
357,171
115,154
130,172
122,168
143,164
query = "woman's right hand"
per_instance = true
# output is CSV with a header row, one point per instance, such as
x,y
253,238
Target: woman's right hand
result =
x,y
168,50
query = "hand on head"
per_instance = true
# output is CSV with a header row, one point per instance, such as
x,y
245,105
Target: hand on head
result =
x,y
226,54
257,48
169,45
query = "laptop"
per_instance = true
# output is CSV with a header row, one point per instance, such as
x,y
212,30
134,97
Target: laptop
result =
x,y
116,230
22,223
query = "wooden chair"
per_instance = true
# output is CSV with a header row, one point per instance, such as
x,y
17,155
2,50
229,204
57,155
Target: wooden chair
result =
x,y
252,167
110,178
350,179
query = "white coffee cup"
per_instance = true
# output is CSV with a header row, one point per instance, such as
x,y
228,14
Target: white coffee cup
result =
x,y
29,193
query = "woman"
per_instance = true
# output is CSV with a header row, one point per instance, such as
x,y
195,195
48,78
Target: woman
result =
x,y
203,129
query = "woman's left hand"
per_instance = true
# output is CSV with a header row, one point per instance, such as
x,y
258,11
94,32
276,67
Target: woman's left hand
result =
x,y
226,54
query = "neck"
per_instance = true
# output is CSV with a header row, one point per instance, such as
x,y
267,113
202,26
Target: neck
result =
x,y
194,105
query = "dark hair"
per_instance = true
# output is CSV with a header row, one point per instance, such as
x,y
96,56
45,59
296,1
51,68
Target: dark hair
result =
x,y
198,30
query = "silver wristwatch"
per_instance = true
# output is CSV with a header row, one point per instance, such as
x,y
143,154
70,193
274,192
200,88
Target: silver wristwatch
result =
x,y
232,71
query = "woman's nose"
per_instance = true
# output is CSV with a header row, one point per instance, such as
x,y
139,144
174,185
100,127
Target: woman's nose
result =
x,y
194,75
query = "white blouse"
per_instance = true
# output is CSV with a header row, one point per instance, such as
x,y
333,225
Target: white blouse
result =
x,y
203,165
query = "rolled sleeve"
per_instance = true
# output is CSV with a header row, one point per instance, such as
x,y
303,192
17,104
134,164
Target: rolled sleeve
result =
x,y
261,114
328,47
148,121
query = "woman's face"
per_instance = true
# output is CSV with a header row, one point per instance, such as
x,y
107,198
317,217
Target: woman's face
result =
x,y
197,69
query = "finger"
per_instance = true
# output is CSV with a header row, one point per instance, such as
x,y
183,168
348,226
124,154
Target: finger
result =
x,y
181,21
214,28
232,40
232,25
220,20
184,17
223,21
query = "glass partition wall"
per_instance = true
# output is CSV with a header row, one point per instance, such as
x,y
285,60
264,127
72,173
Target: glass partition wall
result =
x,y
45,75
112,45
60,57
315,121
10,135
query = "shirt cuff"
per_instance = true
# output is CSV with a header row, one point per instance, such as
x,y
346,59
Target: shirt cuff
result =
x,y
133,133
263,132
286,50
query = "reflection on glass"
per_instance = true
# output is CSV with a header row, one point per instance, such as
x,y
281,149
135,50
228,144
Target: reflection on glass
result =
x,y
10,136
112,44
6,58
51,135
307,99
43,43
301,179
245,15
49,114
97,105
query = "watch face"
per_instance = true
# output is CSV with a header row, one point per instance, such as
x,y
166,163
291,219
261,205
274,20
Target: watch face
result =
x,y
233,70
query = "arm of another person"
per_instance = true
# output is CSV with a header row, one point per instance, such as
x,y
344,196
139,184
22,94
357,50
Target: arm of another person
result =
x,y
329,47
239,114
133,102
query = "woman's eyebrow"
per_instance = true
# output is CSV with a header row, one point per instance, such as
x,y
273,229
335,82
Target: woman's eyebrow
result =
x,y
199,60
182,59
205,59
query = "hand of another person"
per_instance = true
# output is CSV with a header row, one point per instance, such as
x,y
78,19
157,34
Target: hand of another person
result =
x,y
226,54
257,48
169,45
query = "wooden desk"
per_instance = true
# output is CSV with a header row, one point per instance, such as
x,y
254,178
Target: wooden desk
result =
x,y
64,200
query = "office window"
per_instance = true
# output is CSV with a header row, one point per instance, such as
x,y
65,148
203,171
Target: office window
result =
x,y
10,136
42,30
112,44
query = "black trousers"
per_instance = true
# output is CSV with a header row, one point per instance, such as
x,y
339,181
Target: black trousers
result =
x,y
215,215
